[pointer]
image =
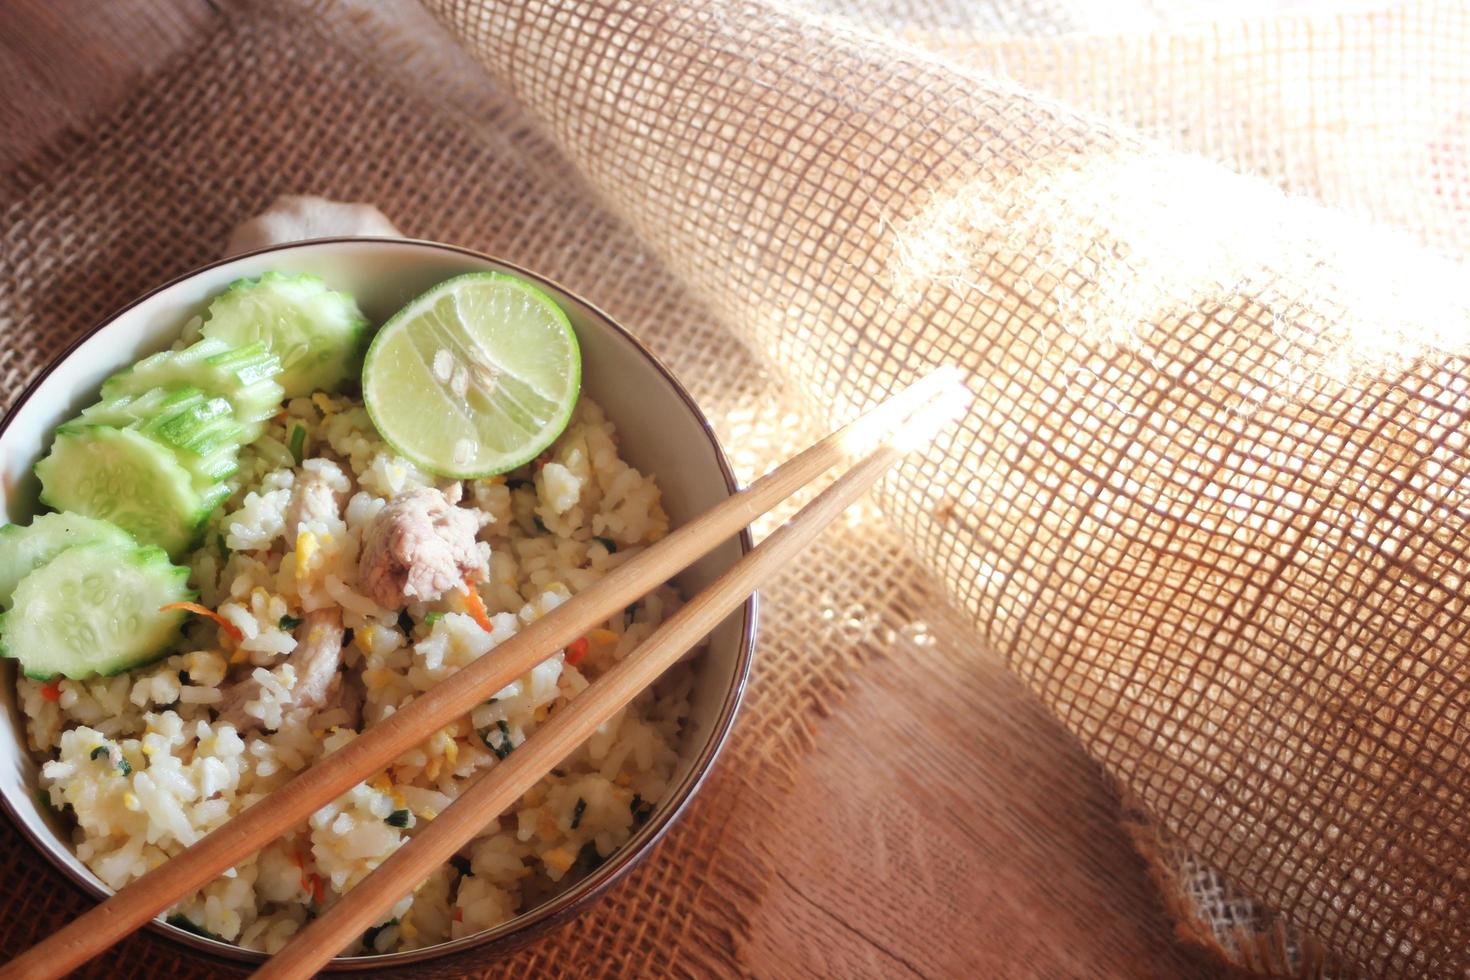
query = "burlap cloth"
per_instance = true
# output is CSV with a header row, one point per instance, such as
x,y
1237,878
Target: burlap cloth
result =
x,y
1210,504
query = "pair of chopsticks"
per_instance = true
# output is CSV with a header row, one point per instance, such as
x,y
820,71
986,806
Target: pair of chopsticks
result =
x,y
905,421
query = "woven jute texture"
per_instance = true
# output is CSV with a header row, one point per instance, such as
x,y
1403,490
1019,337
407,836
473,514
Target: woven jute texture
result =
x,y
1209,504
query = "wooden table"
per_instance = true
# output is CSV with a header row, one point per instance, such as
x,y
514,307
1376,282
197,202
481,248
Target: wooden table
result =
x,y
1023,870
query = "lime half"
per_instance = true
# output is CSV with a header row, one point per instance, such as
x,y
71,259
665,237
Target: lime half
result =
x,y
475,377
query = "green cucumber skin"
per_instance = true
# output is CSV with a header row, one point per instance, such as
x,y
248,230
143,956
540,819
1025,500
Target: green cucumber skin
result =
x,y
138,410
170,586
244,376
249,363
185,420
212,498
166,369
161,370
214,469
196,436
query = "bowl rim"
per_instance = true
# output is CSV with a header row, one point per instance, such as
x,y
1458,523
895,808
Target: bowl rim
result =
x,y
528,925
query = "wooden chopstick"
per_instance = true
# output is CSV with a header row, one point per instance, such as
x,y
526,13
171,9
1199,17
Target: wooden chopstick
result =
x,y
489,795
254,828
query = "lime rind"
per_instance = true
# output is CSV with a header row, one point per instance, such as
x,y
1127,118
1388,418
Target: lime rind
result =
x,y
514,417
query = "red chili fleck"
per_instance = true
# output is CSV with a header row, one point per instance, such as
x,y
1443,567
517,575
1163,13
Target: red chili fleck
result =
x,y
52,691
577,651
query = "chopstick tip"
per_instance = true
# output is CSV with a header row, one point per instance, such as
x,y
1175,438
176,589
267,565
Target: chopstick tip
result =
x,y
952,400
912,416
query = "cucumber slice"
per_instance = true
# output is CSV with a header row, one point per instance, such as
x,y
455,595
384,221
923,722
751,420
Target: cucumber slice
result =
x,y
211,469
122,476
317,333
24,549
213,495
166,369
202,431
185,418
245,376
94,609
132,411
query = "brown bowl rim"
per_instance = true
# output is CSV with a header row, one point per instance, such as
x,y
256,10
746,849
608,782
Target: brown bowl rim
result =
x,y
522,929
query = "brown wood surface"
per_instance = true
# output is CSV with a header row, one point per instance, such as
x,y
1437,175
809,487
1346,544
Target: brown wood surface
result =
x,y
1021,869
945,827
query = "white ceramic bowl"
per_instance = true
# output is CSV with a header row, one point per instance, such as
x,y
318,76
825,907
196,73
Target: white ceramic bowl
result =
x,y
662,432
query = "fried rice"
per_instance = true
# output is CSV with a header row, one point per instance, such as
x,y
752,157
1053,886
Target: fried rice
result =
x,y
144,763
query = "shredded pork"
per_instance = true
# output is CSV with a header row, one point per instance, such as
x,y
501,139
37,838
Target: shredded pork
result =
x,y
420,546
316,498
316,660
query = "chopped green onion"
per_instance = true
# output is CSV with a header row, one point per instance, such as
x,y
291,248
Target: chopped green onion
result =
x,y
103,752
187,924
431,618
608,543
398,818
371,936
502,747
577,812
290,622
298,443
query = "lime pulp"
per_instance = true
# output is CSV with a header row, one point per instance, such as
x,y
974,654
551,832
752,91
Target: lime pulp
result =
x,y
475,377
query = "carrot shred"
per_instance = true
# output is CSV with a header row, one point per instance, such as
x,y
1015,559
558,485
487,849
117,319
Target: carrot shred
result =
x,y
52,690
198,610
577,651
476,607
